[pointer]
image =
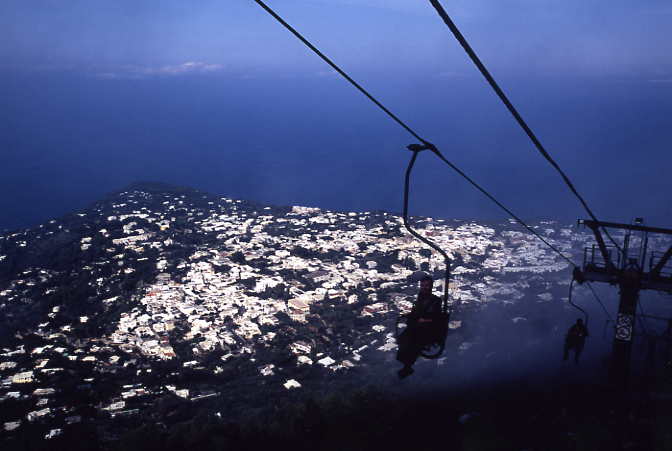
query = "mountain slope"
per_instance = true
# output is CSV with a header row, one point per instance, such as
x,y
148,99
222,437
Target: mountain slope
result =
x,y
159,291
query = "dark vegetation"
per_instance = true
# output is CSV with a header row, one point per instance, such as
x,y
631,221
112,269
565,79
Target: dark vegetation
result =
x,y
511,415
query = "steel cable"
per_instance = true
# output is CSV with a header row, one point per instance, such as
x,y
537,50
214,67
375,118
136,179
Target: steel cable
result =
x,y
339,70
571,302
597,298
500,93
426,143
431,146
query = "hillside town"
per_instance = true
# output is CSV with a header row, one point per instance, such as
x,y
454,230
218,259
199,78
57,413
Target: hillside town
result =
x,y
111,307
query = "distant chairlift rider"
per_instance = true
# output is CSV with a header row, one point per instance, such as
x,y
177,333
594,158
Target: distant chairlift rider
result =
x,y
575,340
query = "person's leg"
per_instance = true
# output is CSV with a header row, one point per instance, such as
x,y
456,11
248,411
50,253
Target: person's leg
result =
x,y
404,352
577,352
407,370
408,353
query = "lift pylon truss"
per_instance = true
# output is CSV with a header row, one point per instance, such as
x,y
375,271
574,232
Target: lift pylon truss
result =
x,y
633,267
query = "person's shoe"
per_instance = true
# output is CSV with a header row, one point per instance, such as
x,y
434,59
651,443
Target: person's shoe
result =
x,y
405,372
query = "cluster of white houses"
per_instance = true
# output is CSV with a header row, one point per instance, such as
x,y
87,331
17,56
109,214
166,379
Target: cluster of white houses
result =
x,y
217,308
227,308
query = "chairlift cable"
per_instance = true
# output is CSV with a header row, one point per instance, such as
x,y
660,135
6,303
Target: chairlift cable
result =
x,y
571,302
436,151
339,70
641,321
597,298
604,333
406,127
514,112
500,205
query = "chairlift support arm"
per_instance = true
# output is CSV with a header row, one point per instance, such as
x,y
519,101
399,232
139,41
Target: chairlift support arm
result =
x,y
655,272
595,227
416,148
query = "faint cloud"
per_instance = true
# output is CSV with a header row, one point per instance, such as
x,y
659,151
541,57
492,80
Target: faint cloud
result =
x,y
130,72
118,76
186,68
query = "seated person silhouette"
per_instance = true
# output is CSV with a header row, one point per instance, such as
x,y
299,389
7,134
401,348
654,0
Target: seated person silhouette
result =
x,y
575,340
420,330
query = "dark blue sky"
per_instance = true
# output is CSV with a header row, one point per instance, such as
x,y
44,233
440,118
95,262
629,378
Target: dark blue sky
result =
x,y
216,95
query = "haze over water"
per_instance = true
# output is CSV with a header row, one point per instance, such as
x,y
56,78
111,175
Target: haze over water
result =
x,y
219,97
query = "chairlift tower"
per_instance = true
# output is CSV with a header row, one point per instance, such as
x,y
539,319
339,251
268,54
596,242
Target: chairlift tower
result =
x,y
633,267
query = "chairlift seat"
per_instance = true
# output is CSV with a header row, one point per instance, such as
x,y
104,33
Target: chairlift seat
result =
x,y
434,334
